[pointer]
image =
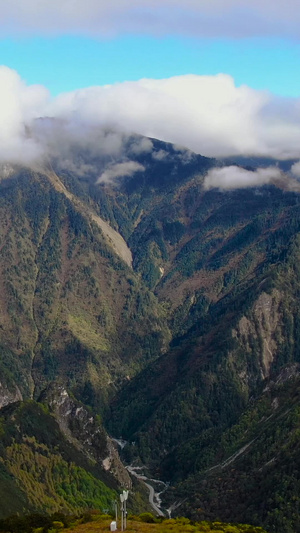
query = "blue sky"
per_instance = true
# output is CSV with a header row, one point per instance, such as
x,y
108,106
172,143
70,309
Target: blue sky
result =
x,y
69,44
66,63
220,77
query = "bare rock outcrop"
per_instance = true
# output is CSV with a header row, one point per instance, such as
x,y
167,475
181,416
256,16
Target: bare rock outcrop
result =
x,y
8,396
264,328
85,431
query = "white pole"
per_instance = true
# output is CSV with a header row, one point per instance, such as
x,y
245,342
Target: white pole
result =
x,y
125,521
125,496
122,511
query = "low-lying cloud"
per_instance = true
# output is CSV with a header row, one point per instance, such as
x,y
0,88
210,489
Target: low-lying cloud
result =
x,y
120,170
295,169
234,177
209,115
141,146
201,18
177,109
19,105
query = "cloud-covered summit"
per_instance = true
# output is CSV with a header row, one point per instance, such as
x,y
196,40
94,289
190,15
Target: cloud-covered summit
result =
x,y
209,115
20,104
202,18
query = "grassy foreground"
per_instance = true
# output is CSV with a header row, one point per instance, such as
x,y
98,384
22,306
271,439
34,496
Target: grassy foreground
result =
x,y
93,522
146,523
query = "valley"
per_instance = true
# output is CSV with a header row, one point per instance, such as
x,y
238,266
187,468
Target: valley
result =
x,y
156,311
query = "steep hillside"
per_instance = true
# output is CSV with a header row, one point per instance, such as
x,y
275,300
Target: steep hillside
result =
x,y
164,306
252,469
231,305
229,276
45,468
70,306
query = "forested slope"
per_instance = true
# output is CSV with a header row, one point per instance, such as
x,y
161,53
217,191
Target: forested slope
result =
x,y
69,304
168,308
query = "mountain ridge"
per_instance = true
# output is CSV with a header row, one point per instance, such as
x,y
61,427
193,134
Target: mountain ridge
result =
x,y
173,348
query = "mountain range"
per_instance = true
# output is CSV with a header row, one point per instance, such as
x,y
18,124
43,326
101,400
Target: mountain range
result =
x,y
139,300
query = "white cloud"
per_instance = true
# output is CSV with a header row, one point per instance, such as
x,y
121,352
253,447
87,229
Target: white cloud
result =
x,y
119,170
234,177
295,169
141,146
207,114
204,18
19,105
159,155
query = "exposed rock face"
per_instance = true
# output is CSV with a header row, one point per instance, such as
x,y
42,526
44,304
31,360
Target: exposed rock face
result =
x,y
8,396
268,317
288,373
85,432
262,327
114,239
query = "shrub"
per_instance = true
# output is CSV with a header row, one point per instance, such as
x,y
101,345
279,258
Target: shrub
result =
x,y
147,517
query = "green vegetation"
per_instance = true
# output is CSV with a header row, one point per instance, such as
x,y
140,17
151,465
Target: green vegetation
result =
x,y
52,484
182,354
95,522
253,466
69,306
41,471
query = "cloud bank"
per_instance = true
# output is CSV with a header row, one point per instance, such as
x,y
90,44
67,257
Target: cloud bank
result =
x,y
207,114
233,177
201,18
19,105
